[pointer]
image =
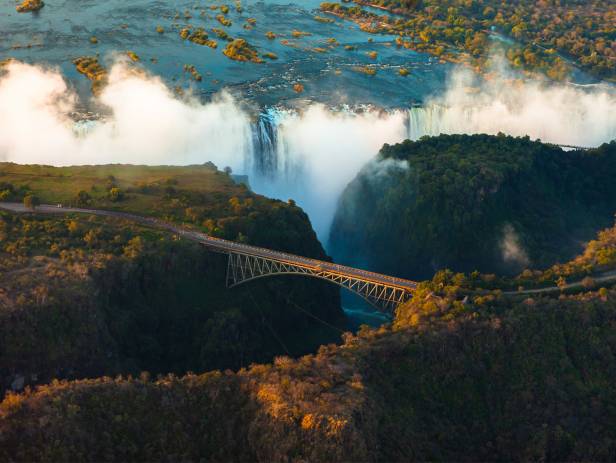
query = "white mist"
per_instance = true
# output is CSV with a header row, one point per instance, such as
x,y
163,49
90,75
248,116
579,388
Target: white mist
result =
x,y
319,151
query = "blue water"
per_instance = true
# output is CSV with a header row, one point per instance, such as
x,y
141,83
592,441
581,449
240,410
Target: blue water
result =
x,y
359,312
61,31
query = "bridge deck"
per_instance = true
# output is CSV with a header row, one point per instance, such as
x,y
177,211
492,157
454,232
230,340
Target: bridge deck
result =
x,y
226,246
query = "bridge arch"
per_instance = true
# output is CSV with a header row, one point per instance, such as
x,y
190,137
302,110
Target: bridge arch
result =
x,y
243,268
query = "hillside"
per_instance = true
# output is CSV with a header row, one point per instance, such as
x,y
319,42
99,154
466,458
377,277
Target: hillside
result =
x,y
489,203
454,378
84,296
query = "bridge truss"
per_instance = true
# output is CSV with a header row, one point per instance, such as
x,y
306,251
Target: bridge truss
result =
x,y
242,268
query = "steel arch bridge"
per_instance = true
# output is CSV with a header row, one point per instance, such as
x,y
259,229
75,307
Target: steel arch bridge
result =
x,y
384,295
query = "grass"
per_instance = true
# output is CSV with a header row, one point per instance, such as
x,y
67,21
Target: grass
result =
x,y
61,184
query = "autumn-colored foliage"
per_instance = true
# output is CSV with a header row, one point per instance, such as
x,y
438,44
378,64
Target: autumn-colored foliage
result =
x,y
496,380
241,50
30,5
93,70
463,373
87,296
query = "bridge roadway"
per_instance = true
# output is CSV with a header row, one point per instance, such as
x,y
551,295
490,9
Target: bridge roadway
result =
x,y
227,247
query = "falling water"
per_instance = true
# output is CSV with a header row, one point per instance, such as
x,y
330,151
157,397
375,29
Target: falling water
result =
x,y
573,128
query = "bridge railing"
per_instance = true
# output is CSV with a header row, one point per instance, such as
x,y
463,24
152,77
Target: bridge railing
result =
x,y
313,263
293,258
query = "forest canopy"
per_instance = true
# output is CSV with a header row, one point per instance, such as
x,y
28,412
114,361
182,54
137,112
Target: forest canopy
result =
x,y
456,377
480,202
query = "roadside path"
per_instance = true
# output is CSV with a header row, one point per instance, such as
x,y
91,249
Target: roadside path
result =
x,y
607,277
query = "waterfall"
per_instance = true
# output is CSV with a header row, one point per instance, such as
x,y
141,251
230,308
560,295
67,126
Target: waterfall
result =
x,y
269,158
434,119
311,155
264,156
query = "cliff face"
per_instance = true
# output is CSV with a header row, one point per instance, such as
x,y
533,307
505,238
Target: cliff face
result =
x,y
488,203
135,300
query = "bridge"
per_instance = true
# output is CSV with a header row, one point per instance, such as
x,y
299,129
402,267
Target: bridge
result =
x,y
248,263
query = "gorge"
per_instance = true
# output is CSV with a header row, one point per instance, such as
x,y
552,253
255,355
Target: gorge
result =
x,y
185,185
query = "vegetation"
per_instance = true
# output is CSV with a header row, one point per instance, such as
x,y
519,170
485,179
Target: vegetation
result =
x,y
299,34
452,379
192,70
133,56
368,70
198,36
598,258
323,19
93,70
241,50
545,34
87,296
465,371
27,6
31,201
222,34
489,203
223,20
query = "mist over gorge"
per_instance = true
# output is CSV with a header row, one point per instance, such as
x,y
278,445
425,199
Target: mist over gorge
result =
x,y
308,152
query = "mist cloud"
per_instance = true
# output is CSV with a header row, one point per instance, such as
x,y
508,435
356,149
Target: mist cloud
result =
x,y
512,251
325,151
148,124
555,113
319,150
